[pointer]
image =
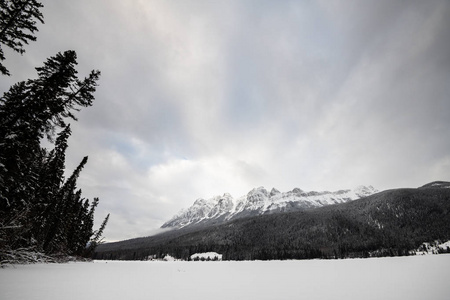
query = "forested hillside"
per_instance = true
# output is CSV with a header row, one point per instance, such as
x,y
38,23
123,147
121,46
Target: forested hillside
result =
x,y
391,222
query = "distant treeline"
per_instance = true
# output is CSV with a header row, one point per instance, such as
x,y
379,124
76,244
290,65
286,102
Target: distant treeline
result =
x,y
390,223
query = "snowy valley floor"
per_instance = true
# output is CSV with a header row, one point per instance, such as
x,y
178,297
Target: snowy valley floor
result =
x,y
415,277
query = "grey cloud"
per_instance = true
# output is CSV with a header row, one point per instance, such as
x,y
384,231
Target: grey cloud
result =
x,y
201,98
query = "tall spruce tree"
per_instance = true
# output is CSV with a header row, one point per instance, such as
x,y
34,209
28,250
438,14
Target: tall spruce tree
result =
x,y
38,207
30,111
18,20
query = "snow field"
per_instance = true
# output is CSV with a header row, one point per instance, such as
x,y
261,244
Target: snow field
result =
x,y
414,277
207,255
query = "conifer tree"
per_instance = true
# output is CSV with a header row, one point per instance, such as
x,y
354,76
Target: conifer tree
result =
x,y
47,211
39,208
51,174
18,20
31,110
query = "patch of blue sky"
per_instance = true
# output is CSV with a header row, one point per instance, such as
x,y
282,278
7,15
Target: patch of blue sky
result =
x,y
140,154
135,152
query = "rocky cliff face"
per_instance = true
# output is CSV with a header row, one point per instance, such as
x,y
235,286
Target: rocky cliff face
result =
x,y
259,201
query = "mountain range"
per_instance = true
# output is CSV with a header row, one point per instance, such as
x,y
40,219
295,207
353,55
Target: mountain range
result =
x,y
386,223
259,201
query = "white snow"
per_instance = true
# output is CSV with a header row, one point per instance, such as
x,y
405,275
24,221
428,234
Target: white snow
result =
x,y
260,201
444,245
207,255
169,258
414,277
432,248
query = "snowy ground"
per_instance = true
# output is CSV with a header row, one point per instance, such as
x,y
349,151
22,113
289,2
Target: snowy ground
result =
x,y
417,277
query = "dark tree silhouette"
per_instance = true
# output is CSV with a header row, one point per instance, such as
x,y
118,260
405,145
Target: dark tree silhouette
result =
x,y
18,20
39,208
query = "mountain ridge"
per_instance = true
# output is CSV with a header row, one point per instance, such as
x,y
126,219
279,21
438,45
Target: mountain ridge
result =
x,y
259,201
388,223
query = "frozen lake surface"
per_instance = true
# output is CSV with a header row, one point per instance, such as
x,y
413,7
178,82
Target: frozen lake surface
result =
x,y
416,277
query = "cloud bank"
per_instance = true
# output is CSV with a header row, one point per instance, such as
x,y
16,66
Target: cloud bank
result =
x,y
198,98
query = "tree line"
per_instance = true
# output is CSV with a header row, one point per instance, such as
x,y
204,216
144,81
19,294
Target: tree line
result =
x,y
390,223
41,211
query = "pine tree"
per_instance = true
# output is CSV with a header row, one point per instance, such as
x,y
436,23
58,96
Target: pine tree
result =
x,y
45,200
46,211
96,238
65,222
39,208
18,20
34,109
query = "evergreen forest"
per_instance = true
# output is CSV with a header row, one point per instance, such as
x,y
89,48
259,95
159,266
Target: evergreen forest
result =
x,y
389,223
43,214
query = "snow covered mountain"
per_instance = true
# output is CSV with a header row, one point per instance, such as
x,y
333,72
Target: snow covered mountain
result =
x,y
259,201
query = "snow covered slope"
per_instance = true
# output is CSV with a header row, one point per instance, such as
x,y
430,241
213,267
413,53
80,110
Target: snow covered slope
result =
x,y
259,201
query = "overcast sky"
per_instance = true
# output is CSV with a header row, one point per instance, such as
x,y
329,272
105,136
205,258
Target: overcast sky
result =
x,y
198,98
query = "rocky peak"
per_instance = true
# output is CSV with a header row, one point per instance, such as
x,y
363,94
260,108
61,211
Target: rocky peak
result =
x,y
297,191
274,192
259,201
260,191
364,191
